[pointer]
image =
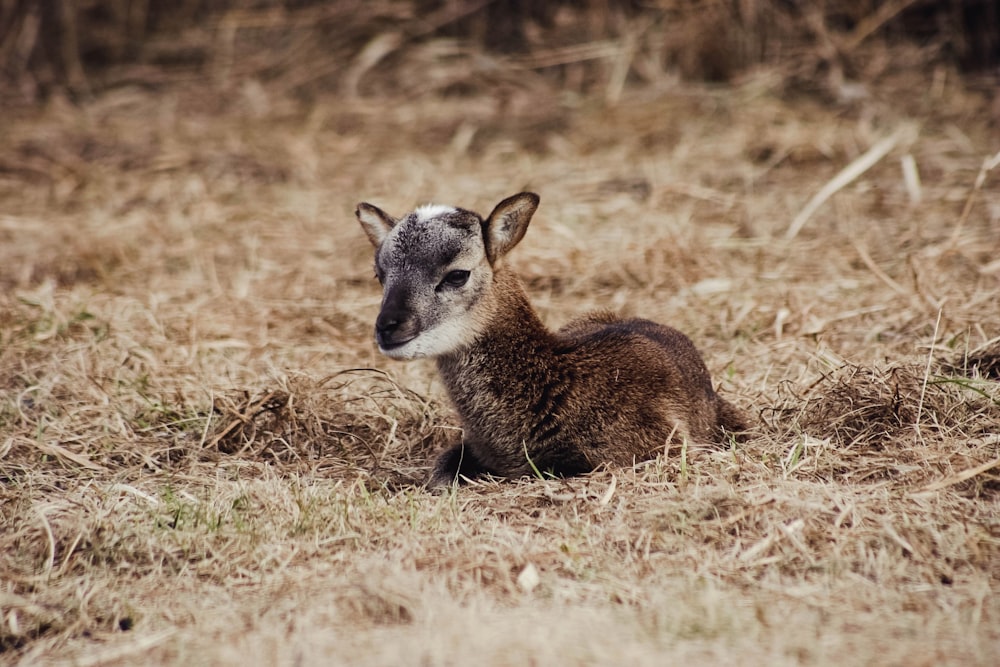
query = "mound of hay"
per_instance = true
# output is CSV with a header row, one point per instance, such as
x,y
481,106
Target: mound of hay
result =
x,y
879,407
982,362
356,422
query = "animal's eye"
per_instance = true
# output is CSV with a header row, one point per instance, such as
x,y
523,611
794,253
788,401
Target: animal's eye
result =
x,y
455,279
378,276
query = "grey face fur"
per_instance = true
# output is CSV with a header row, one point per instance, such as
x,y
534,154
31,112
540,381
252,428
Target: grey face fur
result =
x,y
436,267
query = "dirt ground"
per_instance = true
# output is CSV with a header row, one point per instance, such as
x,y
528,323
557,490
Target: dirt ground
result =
x,y
204,459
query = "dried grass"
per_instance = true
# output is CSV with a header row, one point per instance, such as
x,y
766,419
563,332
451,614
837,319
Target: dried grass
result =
x,y
203,459
457,47
347,424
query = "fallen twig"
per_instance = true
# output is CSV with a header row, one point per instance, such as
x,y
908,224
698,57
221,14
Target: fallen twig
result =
x,y
847,175
959,477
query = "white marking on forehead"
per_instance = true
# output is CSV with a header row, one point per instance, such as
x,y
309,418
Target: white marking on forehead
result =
x,y
429,211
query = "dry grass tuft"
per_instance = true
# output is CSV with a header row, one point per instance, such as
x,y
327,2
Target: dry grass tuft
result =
x,y
853,404
353,423
982,362
872,425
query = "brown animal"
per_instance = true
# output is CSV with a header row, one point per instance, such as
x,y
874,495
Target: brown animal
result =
x,y
599,390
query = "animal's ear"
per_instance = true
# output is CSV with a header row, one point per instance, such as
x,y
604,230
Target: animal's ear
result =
x,y
375,222
507,224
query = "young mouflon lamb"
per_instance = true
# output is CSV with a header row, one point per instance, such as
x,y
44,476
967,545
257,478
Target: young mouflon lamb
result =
x,y
600,390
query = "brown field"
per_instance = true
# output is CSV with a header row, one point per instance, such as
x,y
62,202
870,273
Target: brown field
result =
x,y
204,460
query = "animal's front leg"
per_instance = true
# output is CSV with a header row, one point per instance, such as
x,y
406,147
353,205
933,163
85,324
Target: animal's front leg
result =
x,y
454,462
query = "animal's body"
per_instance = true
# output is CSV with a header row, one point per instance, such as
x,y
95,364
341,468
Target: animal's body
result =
x,y
600,390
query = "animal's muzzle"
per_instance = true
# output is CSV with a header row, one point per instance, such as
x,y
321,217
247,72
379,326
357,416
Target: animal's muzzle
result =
x,y
392,330
395,325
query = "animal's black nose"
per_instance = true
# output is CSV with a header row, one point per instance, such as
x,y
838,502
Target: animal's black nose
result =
x,y
393,328
387,322
395,324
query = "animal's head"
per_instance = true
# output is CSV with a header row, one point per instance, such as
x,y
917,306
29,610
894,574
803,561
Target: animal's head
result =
x,y
436,268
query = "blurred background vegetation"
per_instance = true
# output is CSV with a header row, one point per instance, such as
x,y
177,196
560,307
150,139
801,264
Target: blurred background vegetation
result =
x,y
365,47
